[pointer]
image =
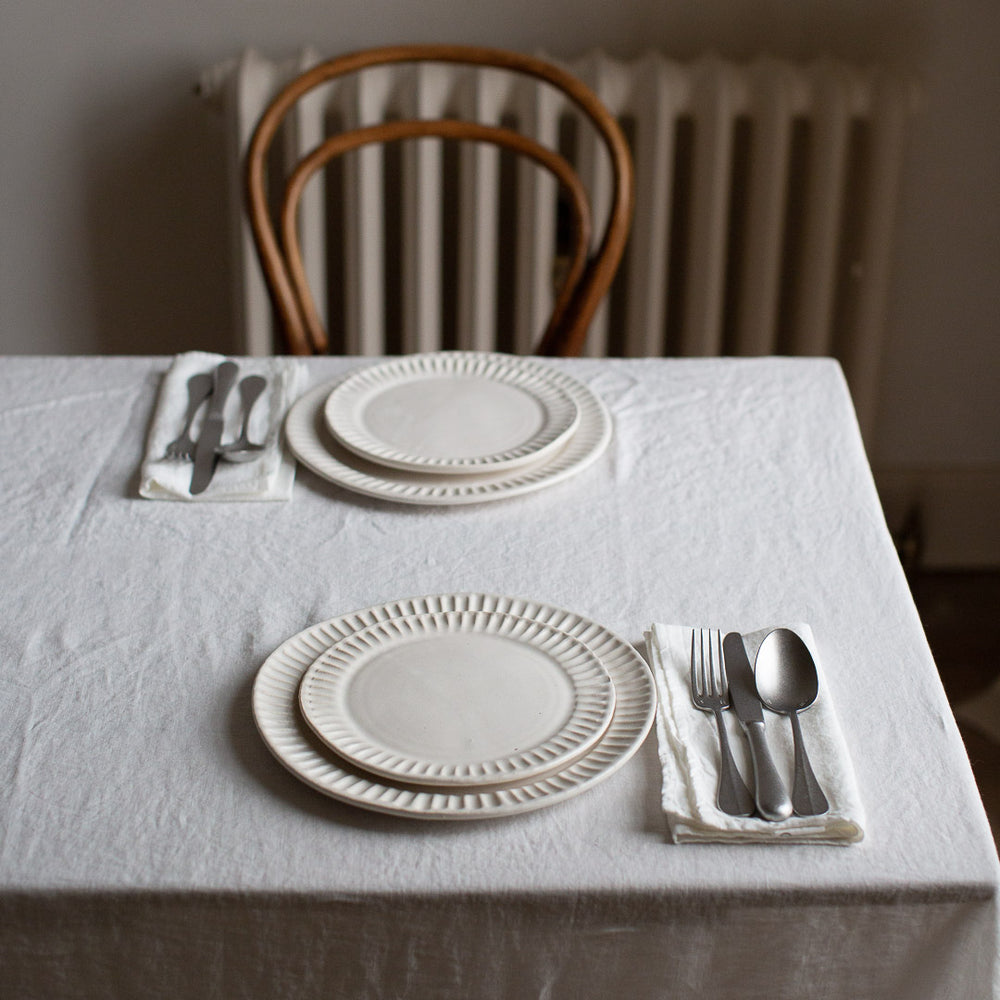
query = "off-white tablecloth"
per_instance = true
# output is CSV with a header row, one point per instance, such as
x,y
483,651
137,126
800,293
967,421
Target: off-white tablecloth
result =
x,y
151,846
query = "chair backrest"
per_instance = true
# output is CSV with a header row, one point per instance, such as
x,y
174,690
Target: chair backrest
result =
x,y
592,261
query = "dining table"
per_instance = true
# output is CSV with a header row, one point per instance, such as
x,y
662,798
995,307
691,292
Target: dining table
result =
x,y
152,844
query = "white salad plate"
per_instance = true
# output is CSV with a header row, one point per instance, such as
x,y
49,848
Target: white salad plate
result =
x,y
292,741
458,698
310,440
452,412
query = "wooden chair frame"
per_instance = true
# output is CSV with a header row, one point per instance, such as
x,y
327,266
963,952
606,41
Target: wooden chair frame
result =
x,y
589,275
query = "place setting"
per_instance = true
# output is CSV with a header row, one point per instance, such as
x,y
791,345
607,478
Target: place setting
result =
x,y
454,706
449,428
441,429
478,706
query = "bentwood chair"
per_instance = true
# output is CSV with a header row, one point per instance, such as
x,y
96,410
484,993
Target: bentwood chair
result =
x,y
589,258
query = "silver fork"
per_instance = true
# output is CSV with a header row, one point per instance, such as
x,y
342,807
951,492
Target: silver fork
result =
x,y
710,693
199,389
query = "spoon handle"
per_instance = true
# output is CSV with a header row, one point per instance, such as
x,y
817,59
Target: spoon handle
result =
x,y
250,388
807,796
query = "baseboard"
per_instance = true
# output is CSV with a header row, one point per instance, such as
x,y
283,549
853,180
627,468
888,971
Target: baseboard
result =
x,y
983,711
948,517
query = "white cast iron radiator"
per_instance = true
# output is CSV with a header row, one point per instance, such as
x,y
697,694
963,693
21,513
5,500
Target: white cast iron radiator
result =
x,y
765,203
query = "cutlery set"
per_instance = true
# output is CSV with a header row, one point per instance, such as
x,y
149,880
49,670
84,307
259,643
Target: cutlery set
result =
x,y
214,388
782,679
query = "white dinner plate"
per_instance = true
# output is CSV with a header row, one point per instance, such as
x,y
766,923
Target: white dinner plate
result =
x,y
452,412
458,698
315,447
292,741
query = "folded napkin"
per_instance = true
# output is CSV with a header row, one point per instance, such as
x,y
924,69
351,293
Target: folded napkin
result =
x,y
689,755
268,477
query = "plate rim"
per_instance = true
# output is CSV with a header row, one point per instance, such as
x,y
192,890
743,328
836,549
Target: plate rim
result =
x,y
590,715
292,743
361,384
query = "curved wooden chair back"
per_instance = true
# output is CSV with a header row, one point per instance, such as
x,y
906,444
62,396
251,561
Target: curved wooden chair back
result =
x,y
590,271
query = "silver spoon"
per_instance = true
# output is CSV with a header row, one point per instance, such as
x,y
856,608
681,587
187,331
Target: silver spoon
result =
x,y
787,683
243,449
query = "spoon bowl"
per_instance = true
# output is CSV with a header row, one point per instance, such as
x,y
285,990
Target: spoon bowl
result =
x,y
785,672
787,683
245,453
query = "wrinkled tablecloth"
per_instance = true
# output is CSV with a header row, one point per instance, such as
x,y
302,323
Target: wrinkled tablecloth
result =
x,y
151,846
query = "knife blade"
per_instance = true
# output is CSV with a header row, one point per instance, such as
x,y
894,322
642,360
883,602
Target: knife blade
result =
x,y
205,453
770,794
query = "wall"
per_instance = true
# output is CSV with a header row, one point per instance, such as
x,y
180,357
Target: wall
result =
x,y
112,235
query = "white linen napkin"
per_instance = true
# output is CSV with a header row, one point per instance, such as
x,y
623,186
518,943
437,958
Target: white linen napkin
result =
x,y
268,477
689,755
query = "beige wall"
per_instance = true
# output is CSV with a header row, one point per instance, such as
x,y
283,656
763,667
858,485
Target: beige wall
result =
x,y
112,226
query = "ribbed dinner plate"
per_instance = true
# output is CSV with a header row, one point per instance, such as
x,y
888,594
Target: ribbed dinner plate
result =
x,y
314,446
292,741
458,698
452,412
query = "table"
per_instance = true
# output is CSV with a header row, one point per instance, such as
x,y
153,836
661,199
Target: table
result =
x,y
151,846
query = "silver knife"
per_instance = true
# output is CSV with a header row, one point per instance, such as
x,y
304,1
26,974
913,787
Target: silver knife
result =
x,y
205,454
770,794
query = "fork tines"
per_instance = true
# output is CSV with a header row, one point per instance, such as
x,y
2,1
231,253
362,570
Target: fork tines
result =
x,y
708,669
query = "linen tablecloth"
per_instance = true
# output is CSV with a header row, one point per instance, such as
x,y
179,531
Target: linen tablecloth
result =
x,y
151,846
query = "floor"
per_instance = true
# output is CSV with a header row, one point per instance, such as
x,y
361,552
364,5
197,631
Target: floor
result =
x,y
961,616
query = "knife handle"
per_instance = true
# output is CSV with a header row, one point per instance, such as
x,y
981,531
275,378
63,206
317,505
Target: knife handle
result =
x,y
772,799
225,379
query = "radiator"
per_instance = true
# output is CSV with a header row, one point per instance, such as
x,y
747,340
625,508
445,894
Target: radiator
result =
x,y
765,201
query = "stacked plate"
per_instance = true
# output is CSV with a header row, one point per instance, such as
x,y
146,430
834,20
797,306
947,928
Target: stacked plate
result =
x,y
453,427
455,706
